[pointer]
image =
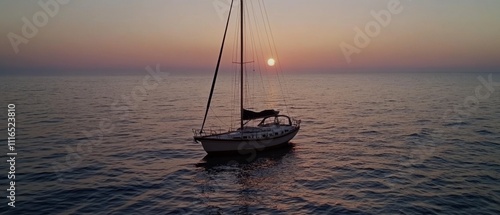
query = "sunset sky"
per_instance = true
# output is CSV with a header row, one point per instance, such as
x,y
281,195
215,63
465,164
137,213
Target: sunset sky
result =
x,y
97,36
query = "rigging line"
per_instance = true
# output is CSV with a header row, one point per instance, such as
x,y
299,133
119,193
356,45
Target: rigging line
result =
x,y
263,84
216,69
241,65
262,10
247,88
279,64
234,69
236,41
232,101
235,86
216,116
250,90
256,52
245,72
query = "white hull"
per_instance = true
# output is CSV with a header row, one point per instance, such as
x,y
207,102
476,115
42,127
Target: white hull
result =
x,y
216,145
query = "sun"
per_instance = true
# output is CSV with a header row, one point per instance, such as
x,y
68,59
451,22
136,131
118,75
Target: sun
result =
x,y
271,62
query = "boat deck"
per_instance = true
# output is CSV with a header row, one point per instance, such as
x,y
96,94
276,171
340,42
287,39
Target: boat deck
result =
x,y
260,132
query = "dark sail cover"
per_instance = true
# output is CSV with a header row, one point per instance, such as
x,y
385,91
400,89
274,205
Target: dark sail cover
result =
x,y
249,115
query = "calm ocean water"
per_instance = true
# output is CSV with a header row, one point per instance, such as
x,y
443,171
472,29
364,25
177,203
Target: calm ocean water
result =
x,y
391,143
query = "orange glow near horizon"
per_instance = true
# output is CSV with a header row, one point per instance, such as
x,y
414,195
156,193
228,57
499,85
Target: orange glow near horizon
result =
x,y
113,35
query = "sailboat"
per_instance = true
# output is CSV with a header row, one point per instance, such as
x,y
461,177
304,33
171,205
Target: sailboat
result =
x,y
258,130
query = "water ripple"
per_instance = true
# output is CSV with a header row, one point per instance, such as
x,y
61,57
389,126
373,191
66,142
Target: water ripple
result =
x,y
370,144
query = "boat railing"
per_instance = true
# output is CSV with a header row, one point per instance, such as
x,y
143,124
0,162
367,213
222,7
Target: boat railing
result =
x,y
296,122
207,132
213,132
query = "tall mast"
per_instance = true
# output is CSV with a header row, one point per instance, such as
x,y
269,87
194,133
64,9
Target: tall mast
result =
x,y
216,69
241,65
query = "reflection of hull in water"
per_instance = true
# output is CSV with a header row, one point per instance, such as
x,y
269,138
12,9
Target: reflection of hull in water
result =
x,y
210,161
232,143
